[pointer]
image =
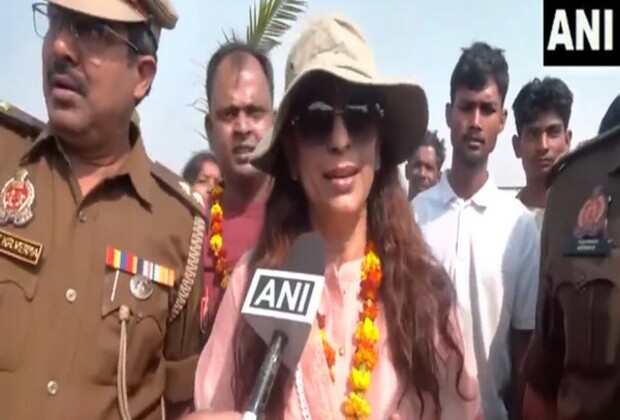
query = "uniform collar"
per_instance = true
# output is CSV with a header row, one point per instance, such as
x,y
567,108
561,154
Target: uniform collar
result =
x,y
137,166
483,198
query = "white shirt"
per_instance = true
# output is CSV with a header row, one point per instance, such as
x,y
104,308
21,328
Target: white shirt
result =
x,y
539,214
489,245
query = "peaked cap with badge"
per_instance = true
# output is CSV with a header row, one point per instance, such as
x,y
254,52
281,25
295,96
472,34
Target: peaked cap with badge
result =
x,y
157,14
335,45
579,292
100,290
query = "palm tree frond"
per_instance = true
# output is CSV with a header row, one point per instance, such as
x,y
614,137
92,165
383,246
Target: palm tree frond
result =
x,y
270,20
200,105
230,37
201,134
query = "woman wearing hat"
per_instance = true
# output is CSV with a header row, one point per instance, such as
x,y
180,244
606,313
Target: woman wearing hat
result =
x,y
385,344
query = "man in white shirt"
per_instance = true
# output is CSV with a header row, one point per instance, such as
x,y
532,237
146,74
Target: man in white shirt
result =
x,y
542,111
487,241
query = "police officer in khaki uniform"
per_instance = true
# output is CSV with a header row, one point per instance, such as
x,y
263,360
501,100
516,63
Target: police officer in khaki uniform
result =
x,y
573,364
99,246
15,122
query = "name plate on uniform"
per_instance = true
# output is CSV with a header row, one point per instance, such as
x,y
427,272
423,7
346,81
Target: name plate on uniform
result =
x,y
588,247
20,248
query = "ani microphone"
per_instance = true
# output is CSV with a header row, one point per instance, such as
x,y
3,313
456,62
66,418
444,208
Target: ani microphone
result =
x,y
281,306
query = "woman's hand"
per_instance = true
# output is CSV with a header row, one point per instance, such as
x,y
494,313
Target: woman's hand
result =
x,y
222,415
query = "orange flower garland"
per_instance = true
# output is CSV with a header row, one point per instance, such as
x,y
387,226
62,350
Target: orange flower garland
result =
x,y
330,354
366,336
216,242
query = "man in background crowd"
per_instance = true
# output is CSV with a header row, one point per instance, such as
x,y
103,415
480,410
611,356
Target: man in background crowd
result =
x,y
202,173
488,242
423,169
542,111
240,100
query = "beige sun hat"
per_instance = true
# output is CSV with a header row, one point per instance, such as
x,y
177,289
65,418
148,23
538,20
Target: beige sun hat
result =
x,y
335,45
158,13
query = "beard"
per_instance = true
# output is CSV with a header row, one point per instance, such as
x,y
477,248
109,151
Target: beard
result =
x,y
471,159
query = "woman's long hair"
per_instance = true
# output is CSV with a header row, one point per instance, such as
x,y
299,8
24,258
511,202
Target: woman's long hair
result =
x,y
416,293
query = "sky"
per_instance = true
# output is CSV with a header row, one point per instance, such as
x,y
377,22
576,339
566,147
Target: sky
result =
x,y
419,40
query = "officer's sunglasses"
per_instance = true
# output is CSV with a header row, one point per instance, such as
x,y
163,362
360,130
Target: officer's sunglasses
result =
x,y
315,121
93,33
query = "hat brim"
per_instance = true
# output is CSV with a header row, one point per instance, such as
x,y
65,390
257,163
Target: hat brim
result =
x,y
405,121
118,11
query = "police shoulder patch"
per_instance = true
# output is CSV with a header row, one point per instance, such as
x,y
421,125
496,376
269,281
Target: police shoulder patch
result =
x,y
24,124
177,185
582,150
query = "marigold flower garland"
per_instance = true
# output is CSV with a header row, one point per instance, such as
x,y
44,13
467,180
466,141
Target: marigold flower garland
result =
x,y
366,336
330,354
216,241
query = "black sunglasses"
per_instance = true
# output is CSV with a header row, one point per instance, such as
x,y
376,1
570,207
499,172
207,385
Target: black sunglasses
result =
x,y
316,120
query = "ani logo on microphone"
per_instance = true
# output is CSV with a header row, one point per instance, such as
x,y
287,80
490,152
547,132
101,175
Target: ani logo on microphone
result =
x,y
581,33
277,291
285,301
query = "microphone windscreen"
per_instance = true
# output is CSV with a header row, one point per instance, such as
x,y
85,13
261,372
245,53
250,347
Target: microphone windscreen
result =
x,y
307,255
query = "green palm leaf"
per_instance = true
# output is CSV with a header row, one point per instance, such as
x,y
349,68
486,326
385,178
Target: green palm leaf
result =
x,y
230,37
270,20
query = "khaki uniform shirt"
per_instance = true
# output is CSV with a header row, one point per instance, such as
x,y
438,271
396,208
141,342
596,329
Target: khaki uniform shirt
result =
x,y
574,356
78,339
18,122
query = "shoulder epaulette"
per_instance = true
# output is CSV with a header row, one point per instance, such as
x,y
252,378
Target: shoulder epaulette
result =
x,y
179,187
20,121
581,150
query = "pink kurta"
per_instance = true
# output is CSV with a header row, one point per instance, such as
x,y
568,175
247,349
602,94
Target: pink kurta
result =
x,y
341,306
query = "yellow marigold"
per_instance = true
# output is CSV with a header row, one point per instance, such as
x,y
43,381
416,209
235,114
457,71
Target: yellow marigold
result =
x,y
367,331
360,379
216,209
371,262
216,243
356,407
366,357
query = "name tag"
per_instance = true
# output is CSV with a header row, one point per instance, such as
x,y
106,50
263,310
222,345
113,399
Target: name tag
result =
x,y
20,248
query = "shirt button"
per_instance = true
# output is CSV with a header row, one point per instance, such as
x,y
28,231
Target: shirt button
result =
x,y
52,387
341,351
71,295
82,216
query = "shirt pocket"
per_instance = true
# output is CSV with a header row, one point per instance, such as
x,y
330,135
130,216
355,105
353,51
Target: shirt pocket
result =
x,y
588,290
145,329
18,285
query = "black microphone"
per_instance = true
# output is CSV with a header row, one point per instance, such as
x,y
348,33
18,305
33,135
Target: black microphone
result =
x,y
281,306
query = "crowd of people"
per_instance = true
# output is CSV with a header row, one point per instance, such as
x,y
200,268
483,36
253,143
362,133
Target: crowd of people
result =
x,y
121,283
